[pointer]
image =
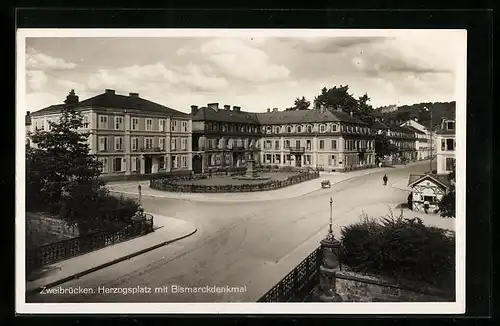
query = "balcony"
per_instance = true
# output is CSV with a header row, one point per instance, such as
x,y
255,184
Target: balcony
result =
x,y
151,149
297,150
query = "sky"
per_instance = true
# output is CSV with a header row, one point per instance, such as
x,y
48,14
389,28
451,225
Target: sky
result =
x,y
253,71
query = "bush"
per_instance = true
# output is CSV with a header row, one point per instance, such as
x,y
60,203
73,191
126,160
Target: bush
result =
x,y
401,248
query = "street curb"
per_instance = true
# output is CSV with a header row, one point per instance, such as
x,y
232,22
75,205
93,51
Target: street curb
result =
x,y
113,262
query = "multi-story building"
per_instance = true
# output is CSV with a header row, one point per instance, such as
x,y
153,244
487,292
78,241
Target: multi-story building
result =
x,y
446,147
425,139
403,138
223,137
320,137
130,135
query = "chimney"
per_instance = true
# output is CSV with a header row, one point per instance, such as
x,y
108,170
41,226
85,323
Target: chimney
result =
x,y
28,113
109,91
227,107
134,95
194,109
268,110
275,109
72,98
214,106
236,108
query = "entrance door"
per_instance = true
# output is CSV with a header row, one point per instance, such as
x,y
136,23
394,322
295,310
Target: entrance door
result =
x,y
148,164
197,163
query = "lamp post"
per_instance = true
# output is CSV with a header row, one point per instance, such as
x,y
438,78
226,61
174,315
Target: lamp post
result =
x,y
430,134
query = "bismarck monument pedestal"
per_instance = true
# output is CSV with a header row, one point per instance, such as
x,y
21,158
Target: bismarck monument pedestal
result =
x,y
251,174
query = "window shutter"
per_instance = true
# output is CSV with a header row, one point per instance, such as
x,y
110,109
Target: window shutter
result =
x,y
113,165
124,164
133,164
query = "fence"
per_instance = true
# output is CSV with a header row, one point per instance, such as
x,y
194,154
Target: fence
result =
x,y
298,283
170,185
65,249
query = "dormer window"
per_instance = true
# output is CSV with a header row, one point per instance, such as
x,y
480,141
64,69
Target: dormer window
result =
x,y
450,125
289,129
322,128
299,128
334,128
269,129
277,130
309,129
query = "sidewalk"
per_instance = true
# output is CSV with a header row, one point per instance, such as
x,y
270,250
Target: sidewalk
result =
x,y
167,230
402,184
289,192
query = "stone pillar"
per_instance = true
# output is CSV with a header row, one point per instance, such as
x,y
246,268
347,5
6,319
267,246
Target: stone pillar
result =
x,y
326,289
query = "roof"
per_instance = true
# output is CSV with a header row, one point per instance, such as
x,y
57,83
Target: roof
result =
x,y
27,120
115,101
437,178
306,116
223,115
415,130
379,125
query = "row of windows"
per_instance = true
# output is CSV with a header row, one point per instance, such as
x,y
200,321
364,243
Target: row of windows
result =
x,y
118,164
175,143
231,127
309,129
134,124
332,144
358,144
448,144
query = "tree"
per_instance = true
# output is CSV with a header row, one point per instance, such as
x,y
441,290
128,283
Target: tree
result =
x,y
447,203
299,104
364,110
338,97
61,166
383,147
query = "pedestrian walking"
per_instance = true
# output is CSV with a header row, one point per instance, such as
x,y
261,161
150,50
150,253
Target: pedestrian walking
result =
x,y
385,179
426,207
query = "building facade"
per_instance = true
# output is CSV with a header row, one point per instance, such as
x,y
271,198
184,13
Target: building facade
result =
x,y
131,136
446,147
27,126
223,137
423,139
427,188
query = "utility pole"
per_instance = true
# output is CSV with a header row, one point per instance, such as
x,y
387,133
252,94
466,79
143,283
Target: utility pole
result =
x,y
430,138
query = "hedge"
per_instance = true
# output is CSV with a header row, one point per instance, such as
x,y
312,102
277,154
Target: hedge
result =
x,y
401,248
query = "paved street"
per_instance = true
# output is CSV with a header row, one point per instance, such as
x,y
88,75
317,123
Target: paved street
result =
x,y
252,244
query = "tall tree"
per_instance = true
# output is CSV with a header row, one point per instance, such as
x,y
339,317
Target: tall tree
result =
x,y
447,203
62,161
383,147
364,110
338,97
301,103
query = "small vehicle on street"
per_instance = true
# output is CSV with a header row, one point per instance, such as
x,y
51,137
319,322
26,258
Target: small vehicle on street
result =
x,y
326,184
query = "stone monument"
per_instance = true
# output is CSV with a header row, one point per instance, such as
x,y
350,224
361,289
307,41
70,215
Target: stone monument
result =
x,y
251,173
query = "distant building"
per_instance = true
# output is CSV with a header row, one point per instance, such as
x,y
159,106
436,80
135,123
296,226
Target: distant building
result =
x,y
403,138
425,140
27,125
446,147
131,136
428,188
388,109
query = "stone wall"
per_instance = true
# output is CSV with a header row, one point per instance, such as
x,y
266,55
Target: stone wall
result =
x,y
353,287
42,229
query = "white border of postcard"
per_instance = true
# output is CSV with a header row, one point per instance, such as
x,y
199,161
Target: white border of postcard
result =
x,y
22,307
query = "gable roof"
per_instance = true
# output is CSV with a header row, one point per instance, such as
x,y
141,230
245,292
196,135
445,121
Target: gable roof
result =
x,y
415,130
306,116
223,115
377,125
436,178
115,101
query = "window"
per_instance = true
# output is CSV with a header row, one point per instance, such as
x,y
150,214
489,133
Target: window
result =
x,y
297,143
103,122
161,163
322,128
268,129
276,144
172,144
173,125
321,144
331,159
118,143
135,143
308,144
148,142
134,162
430,199
162,124
185,126
118,123
149,124
86,121
267,144
334,128
299,128
450,125
309,129
450,163
117,164
135,123
174,163
103,144
450,144
287,144
184,142
184,161
104,164
161,143
289,129
307,159
334,144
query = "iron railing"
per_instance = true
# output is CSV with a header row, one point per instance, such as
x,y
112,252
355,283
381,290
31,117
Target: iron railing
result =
x,y
58,251
299,282
294,149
